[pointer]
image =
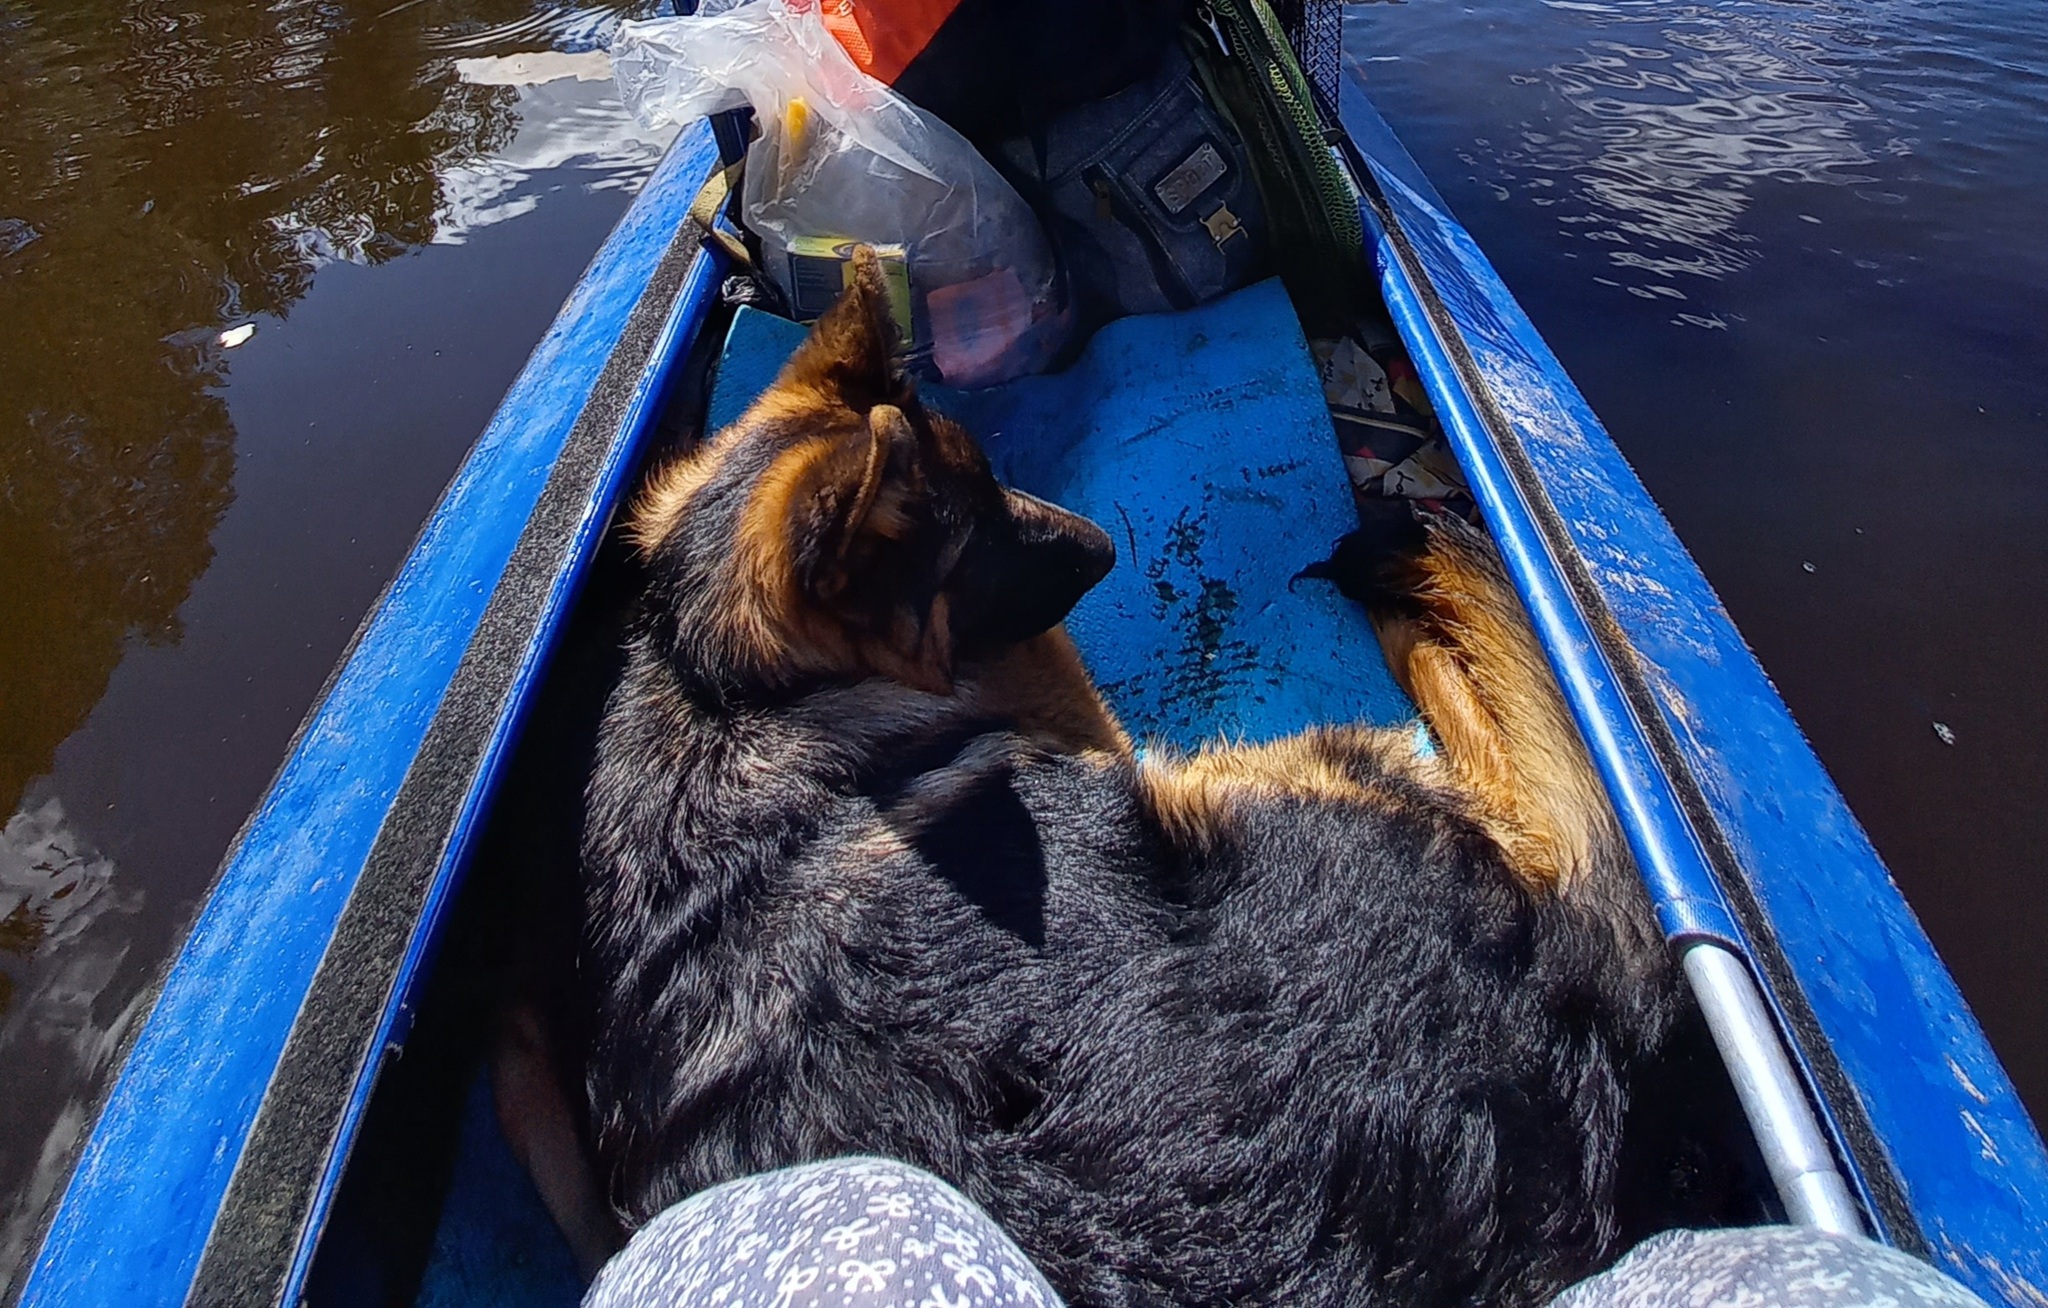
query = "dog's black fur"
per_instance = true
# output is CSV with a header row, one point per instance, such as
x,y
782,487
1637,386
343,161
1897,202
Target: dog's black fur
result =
x,y
870,869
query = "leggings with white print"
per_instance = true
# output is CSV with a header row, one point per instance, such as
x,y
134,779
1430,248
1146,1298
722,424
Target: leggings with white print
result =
x,y
870,1233
849,1233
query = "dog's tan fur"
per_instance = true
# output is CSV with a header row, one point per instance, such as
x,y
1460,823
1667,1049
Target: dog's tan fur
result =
x,y
1195,798
1472,665
667,493
1043,687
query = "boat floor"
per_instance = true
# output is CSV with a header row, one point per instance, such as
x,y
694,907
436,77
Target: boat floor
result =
x,y
1203,441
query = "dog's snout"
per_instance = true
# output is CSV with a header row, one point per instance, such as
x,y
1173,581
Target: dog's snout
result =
x,y
1067,543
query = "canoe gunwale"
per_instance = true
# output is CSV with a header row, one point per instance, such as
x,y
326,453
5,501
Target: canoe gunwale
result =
x,y
211,1166
433,823
1944,1156
1693,877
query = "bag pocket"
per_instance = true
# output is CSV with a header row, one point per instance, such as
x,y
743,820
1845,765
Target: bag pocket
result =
x,y
1147,195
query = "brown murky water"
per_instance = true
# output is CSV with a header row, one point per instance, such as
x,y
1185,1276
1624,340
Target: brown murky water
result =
x,y
192,524
1792,251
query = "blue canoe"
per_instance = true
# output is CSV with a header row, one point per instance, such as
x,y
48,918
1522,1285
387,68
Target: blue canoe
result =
x,y
277,1053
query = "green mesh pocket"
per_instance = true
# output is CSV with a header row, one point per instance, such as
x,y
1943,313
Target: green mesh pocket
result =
x,y
1248,68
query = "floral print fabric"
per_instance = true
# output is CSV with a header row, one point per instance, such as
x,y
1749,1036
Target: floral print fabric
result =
x,y
850,1233
1766,1267
870,1233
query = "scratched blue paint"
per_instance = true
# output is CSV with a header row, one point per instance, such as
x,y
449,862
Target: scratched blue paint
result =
x,y
134,1219
1971,1163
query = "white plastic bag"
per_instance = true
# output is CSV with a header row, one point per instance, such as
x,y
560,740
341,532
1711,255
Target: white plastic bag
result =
x,y
840,158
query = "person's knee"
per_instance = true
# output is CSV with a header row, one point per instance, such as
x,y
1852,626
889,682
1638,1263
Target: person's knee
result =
x,y
1774,1266
846,1233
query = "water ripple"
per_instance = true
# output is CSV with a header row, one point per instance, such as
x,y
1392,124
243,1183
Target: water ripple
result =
x,y
1648,138
551,27
1669,139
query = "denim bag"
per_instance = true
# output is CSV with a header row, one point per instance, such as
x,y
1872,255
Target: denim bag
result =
x,y
1147,196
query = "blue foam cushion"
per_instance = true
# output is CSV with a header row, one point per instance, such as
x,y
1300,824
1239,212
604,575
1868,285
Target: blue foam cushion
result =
x,y
1201,442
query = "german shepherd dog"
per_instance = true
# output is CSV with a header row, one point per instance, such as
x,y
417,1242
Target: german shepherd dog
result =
x,y
871,868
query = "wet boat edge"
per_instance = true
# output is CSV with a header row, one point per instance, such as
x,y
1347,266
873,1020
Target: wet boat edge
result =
x,y
1742,834
205,1174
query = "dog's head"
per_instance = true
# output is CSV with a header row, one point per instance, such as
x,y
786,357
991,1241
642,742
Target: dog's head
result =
x,y
840,529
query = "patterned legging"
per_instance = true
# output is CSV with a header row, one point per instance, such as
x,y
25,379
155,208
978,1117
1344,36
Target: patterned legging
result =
x,y
870,1233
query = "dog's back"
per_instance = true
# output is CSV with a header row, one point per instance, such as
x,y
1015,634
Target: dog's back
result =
x,y
1373,1069
800,941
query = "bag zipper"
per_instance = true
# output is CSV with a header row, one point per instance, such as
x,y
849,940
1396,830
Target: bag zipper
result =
x,y
1207,18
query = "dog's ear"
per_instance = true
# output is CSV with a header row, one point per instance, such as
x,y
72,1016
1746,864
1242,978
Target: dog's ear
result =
x,y
852,516
849,357
862,492
1024,571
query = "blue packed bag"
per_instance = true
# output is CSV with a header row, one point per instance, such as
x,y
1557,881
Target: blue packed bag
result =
x,y
1147,196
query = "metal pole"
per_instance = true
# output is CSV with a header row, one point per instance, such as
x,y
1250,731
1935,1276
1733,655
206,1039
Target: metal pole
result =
x,y
1800,1162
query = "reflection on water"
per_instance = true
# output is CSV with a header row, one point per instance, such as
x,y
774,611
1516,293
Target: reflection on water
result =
x,y
1648,126
180,169
57,887
1662,138
1848,195
492,188
1669,139
168,171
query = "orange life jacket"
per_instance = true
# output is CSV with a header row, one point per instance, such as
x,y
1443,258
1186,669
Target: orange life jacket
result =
x,y
885,36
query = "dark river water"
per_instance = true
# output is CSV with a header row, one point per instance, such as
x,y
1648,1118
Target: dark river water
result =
x,y
190,532
1795,253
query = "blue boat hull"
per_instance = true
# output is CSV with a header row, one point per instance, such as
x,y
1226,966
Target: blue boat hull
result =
x,y
245,1087
214,1165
